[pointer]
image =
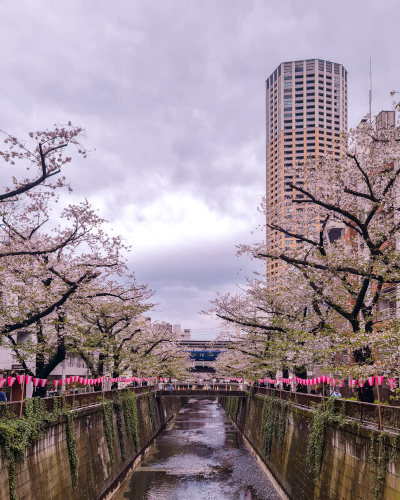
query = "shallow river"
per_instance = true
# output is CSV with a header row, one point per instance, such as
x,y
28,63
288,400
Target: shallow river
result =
x,y
198,457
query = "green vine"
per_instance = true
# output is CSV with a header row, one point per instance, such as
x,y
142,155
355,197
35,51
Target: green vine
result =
x,y
150,402
232,407
131,418
249,397
16,436
378,465
282,421
393,450
91,473
71,446
315,448
273,423
118,403
109,427
321,416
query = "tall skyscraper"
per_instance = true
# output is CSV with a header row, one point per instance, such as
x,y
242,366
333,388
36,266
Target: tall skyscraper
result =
x,y
306,110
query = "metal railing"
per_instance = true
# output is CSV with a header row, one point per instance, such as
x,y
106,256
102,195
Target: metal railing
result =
x,y
366,414
84,399
95,397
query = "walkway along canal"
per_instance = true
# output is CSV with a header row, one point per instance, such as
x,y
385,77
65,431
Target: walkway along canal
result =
x,y
199,456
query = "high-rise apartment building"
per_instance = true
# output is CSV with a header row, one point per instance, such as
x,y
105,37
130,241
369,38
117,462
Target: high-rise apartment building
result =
x,y
306,110
385,119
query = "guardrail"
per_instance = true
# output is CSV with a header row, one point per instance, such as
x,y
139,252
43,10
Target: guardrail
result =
x,y
76,400
188,391
365,413
91,398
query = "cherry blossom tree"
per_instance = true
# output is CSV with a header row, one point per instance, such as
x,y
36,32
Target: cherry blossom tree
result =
x,y
43,152
64,286
327,298
47,285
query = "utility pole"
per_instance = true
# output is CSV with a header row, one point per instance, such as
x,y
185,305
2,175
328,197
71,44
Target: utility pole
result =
x,y
370,90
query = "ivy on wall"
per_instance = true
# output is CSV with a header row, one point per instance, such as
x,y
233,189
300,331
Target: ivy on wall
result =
x,y
379,462
109,427
315,447
249,397
71,446
150,402
118,403
273,423
16,436
232,407
131,419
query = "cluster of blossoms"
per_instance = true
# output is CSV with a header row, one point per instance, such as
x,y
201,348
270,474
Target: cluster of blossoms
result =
x,y
67,291
333,301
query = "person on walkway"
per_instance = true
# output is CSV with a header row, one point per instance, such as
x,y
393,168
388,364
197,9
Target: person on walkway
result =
x,y
3,397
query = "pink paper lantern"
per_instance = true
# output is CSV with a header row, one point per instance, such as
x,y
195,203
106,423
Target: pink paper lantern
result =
x,y
371,380
36,382
361,382
56,382
28,379
2,382
391,382
10,381
379,379
20,379
319,380
43,382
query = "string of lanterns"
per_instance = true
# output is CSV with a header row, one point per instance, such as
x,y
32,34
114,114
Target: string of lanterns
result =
x,y
331,381
28,379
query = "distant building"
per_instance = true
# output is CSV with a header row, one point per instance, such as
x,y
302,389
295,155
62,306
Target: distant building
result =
x,y
179,333
386,119
306,111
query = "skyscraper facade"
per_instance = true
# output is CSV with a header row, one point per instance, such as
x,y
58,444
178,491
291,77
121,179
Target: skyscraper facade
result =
x,y
306,110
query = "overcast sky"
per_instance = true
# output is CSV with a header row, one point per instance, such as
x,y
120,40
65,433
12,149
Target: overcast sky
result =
x,y
171,94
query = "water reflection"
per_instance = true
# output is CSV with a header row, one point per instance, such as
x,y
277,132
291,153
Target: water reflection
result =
x,y
198,457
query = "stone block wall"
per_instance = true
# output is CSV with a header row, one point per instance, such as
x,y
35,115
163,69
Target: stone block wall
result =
x,y
46,473
346,469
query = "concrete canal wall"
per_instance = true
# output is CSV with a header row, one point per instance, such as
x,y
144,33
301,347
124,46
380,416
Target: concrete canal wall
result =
x,y
46,472
349,470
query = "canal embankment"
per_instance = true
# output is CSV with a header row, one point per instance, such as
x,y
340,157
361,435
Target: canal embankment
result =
x,y
312,455
88,456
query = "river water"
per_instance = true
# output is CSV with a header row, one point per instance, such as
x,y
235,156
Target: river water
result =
x,y
198,457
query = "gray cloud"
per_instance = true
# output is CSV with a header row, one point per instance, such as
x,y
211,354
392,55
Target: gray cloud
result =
x,y
172,97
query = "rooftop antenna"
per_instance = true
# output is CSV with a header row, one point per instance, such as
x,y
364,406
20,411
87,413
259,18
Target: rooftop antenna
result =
x,y
370,90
